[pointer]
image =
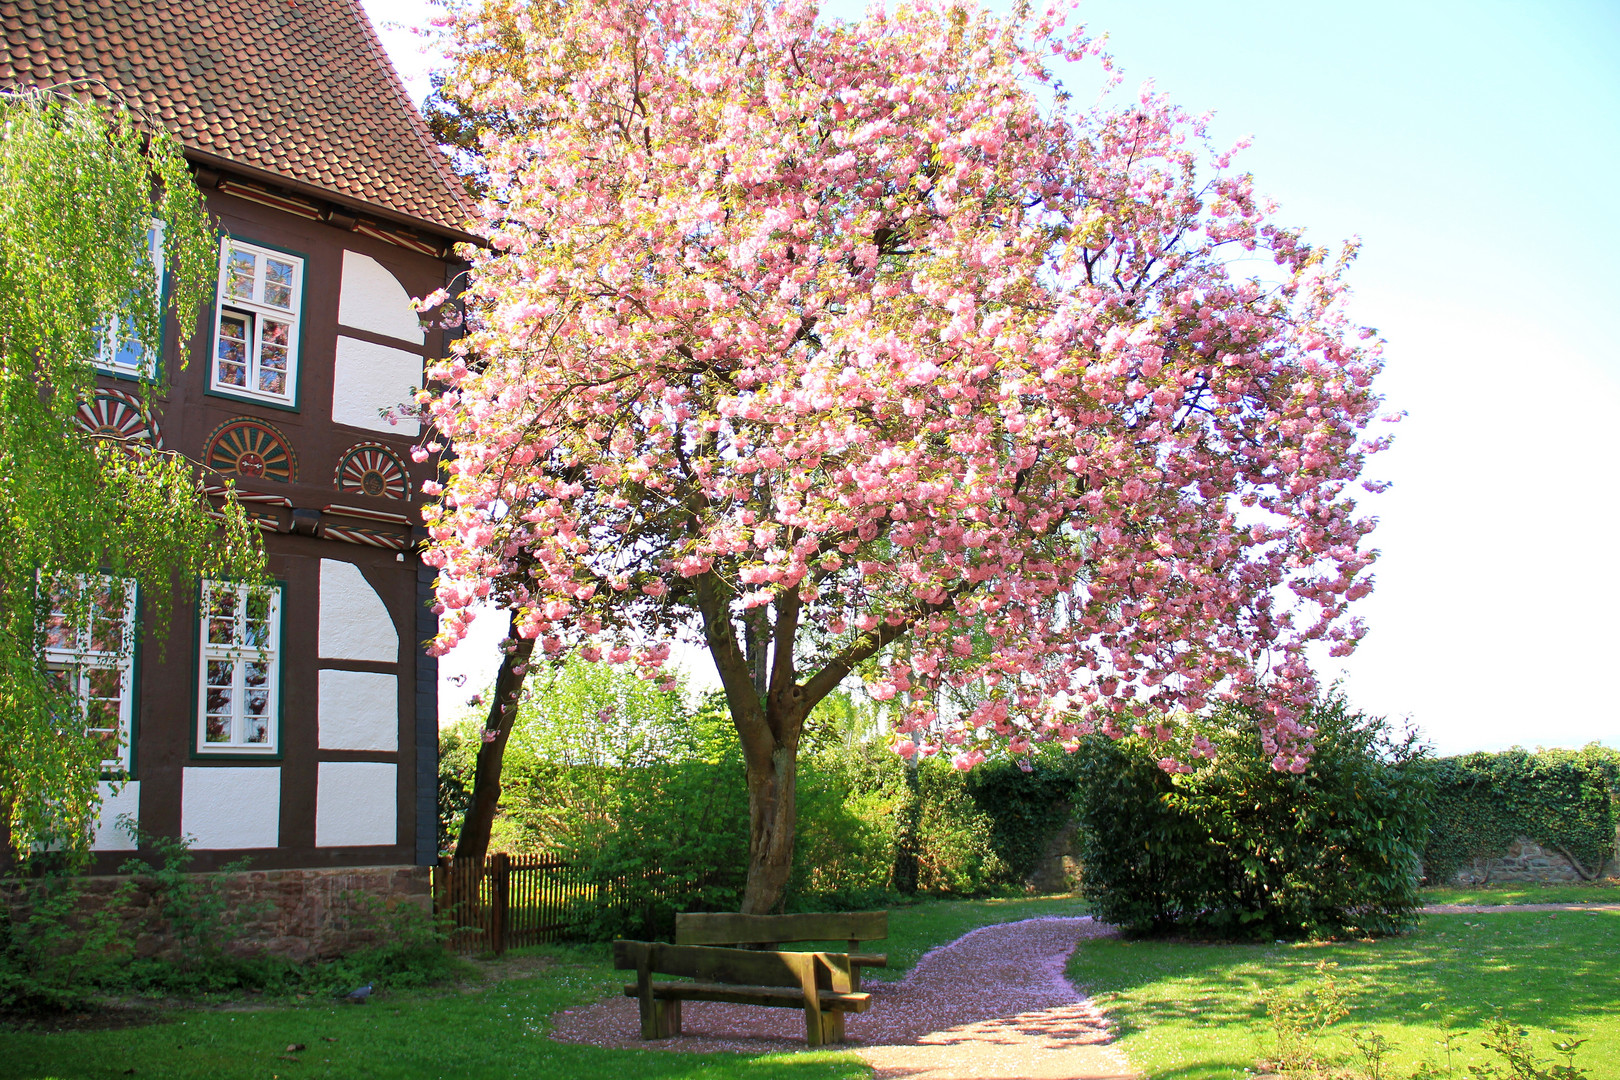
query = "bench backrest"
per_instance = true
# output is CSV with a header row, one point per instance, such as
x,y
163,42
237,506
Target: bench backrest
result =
x,y
742,967
725,928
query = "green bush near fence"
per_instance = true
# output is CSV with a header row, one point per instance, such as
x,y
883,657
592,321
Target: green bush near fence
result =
x,y
1236,849
1564,800
627,783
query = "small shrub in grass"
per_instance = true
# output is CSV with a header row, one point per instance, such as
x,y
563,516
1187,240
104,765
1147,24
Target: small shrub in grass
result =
x,y
1235,849
1303,1018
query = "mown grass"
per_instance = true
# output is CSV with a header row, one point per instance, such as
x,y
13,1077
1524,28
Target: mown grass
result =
x,y
485,1030
490,1027
1189,1011
1585,892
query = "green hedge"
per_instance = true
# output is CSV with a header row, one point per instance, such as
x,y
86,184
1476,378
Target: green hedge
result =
x,y
1561,799
1236,849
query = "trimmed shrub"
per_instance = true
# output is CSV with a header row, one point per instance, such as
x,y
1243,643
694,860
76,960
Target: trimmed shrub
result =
x,y
1235,849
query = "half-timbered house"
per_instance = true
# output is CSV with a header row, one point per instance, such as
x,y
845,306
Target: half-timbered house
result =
x,y
300,730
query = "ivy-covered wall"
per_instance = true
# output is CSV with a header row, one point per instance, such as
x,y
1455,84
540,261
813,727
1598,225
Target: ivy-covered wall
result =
x,y
1524,816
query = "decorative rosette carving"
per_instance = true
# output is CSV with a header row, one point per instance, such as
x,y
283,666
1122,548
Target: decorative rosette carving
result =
x,y
118,414
251,448
370,468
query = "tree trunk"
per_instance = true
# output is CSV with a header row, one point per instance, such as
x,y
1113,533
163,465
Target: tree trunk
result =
x,y
772,810
473,843
905,848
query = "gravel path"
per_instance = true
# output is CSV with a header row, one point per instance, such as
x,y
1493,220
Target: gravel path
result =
x,y
992,1004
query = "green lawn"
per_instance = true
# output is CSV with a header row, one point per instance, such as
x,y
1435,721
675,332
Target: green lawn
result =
x,y
1587,892
490,1028
1190,1011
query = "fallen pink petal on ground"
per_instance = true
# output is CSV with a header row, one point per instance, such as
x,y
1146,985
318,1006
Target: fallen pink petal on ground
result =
x,y
992,1004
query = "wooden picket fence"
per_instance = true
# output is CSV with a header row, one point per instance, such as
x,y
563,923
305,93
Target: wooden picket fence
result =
x,y
511,902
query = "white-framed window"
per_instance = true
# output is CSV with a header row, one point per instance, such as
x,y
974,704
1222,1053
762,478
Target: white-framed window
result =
x,y
256,328
121,352
90,647
239,681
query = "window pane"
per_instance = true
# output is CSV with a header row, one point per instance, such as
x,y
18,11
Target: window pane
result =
x,y
109,745
105,682
219,729
235,330
258,702
257,635
221,672
256,675
221,631
273,382
58,633
257,730
219,700
101,714
276,333
239,276
278,280
106,636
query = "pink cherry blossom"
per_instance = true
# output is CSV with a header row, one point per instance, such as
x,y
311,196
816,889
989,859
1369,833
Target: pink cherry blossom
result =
x,y
847,338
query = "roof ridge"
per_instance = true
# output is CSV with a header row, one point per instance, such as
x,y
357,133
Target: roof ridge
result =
x,y
413,117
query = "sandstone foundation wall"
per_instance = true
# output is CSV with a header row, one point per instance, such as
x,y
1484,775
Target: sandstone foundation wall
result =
x,y
1527,861
298,914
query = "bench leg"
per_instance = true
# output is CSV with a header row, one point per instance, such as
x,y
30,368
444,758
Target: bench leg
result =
x,y
666,1018
832,1026
815,1032
660,1018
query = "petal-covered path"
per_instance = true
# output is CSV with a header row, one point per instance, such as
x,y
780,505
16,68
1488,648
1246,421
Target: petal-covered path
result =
x,y
992,1004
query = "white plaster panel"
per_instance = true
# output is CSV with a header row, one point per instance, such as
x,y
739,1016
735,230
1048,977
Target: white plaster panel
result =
x,y
356,804
373,299
359,710
108,834
368,378
355,624
227,808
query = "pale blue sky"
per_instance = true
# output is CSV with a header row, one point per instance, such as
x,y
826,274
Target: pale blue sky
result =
x,y
1473,147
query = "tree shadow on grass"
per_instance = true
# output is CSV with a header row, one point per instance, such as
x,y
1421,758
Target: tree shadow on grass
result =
x,y
1546,968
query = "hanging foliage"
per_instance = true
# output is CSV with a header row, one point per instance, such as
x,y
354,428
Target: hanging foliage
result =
x,y
80,188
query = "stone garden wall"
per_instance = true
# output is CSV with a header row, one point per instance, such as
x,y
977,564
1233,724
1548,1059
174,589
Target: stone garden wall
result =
x,y
298,914
1527,861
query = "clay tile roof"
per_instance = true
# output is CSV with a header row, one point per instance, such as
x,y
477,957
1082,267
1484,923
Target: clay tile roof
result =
x,y
299,89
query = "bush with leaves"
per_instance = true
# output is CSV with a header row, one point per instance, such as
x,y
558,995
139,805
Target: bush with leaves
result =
x,y
623,780
1233,848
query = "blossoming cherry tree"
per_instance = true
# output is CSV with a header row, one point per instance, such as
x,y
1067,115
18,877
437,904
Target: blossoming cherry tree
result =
x,y
839,345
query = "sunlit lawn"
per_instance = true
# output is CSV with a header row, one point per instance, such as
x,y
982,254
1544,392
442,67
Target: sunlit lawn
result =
x,y
489,1028
1605,891
1189,1011
485,1030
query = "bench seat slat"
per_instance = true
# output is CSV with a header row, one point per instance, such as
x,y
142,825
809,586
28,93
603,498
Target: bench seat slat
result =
x,y
751,995
860,959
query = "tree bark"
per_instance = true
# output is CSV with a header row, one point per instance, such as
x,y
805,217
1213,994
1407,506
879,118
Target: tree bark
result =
x,y
473,843
772,814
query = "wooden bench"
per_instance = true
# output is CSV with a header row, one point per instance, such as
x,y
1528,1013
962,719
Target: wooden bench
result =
x,y
818,983
725,928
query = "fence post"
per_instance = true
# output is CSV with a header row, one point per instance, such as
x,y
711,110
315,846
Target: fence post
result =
x,y
441,898
500,882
